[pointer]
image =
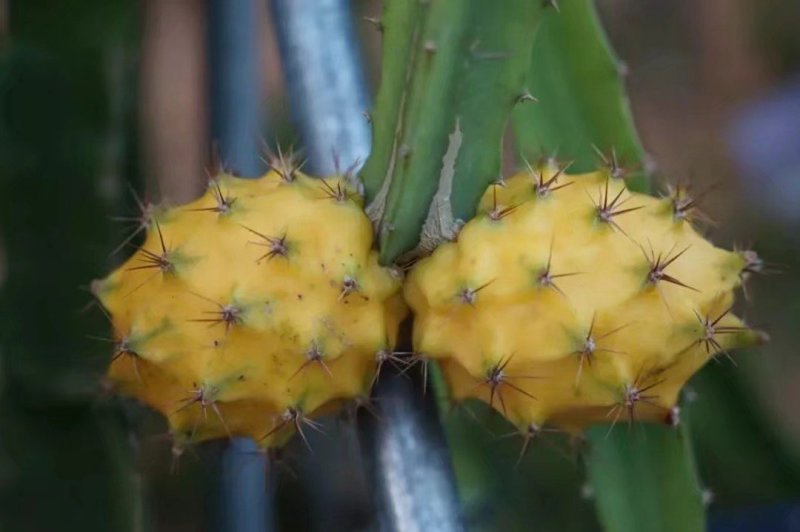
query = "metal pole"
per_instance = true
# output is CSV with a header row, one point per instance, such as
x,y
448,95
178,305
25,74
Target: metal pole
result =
x,y
408,462
409,467
237,113
237,128
325,81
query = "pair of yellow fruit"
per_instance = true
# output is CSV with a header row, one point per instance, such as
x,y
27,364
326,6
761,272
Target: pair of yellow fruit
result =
x,y
567,301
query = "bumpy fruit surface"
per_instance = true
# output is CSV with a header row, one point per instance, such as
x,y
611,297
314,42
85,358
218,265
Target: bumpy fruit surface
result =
x,y
252,309
569,300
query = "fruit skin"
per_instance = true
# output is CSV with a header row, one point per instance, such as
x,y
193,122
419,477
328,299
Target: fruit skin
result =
x,y
253,308
575,302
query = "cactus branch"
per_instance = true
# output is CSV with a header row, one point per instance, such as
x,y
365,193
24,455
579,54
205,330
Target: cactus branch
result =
x,y
446,103
655,463
583,113
427,118
401,30
493,84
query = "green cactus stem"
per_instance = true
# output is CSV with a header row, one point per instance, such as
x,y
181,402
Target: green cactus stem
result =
x,y
453,73
583,114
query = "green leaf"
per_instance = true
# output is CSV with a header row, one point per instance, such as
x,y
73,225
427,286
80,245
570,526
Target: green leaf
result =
x,y
422,137
582,104
66,459
644,479
492,86
401,27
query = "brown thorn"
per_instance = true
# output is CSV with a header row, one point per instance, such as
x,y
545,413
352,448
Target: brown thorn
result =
x,y
123,349
215,407
122,346
618,409
349,286
284,165
660,263
607,211
301,420
295,416
542,187
546,277
141,284
154,261
496,376
161,237
414,359
469,295
685,206
632,394
278,246
497,214
142,221
531,433
224,203
611,162
200,396
367,403
314,355
340,194
384,356
710,331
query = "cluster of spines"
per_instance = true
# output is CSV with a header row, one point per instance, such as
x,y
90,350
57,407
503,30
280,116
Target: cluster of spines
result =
x,y
157,295
610,206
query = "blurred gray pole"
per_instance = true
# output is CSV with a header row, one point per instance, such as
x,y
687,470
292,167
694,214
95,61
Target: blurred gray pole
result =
x,y
409,468
236,127
325,81
409,464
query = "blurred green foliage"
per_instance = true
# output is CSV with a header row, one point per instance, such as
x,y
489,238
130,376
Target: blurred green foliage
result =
x,y
65,459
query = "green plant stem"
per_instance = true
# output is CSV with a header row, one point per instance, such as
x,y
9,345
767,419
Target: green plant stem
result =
x,y
577,79
422,125
453,72
401,27
644,479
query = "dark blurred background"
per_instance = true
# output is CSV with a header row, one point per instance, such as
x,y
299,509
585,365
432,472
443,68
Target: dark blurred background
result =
x,y
101,97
